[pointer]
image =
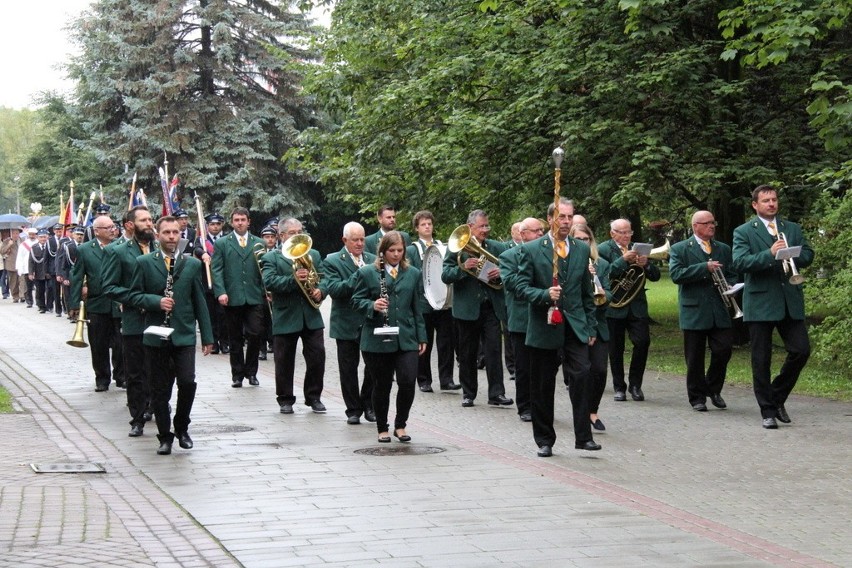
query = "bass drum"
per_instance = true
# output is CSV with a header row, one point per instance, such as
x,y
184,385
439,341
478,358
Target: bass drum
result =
x,y
438,294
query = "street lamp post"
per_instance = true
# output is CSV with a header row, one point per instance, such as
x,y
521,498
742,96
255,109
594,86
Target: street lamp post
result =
x,y
17,195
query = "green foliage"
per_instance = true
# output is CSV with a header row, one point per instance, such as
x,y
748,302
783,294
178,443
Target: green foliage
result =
x,y
19,131
5,401
213,83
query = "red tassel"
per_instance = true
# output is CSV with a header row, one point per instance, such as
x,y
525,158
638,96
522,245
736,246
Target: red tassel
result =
x,y
554,316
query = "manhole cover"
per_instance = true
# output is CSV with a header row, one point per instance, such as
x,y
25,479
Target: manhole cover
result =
x,y
400,450
68,467
220,429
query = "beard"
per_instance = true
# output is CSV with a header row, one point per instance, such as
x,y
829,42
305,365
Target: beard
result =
x,y
145,235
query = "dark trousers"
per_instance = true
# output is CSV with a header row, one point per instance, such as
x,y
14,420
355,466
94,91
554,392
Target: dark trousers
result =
x,y
439,332
488,328
700,385
522,371
170,364
58,298
41,294
28,295
544,364
598,359
348,357
4,284
116,344
245,326
640,336
384,366
284,349
772,393
217,320
508,349
136,378
51,295
101,330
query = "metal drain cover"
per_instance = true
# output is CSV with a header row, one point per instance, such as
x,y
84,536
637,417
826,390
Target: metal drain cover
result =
x,y
68,467
400,450
226,429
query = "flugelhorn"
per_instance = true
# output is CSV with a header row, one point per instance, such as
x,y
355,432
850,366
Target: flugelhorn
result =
x,y
790,265
296,249
461,239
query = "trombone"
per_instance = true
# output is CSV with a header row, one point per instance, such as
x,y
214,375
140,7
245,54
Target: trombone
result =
x,y
790,265
461,239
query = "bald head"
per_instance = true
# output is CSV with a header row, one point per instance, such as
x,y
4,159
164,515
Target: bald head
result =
x,y
531,229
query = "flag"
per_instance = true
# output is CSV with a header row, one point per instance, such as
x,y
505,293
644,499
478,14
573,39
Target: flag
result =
x,y
173,194
66,216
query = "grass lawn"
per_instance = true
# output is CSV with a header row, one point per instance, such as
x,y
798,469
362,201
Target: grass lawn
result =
x,y
817,379
5,401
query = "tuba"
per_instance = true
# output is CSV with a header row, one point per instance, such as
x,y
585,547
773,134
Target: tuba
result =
x,y
625,289
462,240
296,249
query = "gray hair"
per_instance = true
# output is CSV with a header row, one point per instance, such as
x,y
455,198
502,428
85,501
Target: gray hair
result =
x,y
474,215
350,226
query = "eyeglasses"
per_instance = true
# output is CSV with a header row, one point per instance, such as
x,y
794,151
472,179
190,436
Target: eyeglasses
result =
x,y
108,228
483,227
714,223
535,230
627,232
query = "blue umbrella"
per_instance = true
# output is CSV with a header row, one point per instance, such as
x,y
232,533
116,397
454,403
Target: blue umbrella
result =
x,y
46,222
13,221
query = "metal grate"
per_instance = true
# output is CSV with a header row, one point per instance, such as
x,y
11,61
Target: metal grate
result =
x,y
224,429
68,467
400,450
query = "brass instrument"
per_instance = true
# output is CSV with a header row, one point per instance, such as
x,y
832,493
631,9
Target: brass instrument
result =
x,y
600,293
296,249
258,250
625,289
461,239
790,265
77,339
722,287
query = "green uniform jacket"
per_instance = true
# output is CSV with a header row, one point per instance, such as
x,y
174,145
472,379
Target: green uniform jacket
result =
x,y
701,306
119,264
516,306
535,277
617,267
371,243
468,291
235,271
149,285
603,267
768,294
404,294
291,312
340,274
90,263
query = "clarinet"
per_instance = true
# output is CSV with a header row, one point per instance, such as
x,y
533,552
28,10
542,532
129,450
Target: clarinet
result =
x,y
169,291
383,292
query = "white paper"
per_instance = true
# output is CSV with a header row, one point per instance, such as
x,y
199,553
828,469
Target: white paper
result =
x,y
486,268
643,249
734,289
159,330
790,252
389,330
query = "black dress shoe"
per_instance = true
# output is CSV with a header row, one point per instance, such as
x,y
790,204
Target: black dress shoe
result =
x,y
236,382
317,407
718,401
135,431
620,396
781,414
426,388
450,387
369,415
253,381
525,417
353,420
770,424
184,440
261,356
699,407
226,349
101,388
403,438
598,425
467,402
384,439
501,400
480,363
147,416
165,448
545,451
286,408
589,446
636,393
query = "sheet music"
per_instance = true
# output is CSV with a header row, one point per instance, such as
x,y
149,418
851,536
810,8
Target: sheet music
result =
x,y
486,268
643,249
789,252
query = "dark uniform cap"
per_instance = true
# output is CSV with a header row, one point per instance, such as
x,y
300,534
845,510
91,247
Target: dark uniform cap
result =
x,y
180,214
214,218
102,208
268,230
44,232
79,230
57,226
272,222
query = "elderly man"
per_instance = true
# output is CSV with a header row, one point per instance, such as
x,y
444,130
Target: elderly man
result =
x,y
9,251
704,315
633,318
340,271
478,308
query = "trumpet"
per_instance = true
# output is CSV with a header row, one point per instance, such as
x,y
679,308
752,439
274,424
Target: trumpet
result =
x,y
296,249
790,265
600,293
461,239
723,288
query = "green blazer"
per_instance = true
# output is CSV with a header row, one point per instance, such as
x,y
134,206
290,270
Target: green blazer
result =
x,y
516,306
404,309
768,294
371,243
535,277
468,291
149,284
90,263
701,306
617,267
291,312
340,274
602,267
119,264
235,271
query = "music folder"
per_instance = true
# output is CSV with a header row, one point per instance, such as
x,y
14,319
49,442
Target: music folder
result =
x,y
160,331
386,330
